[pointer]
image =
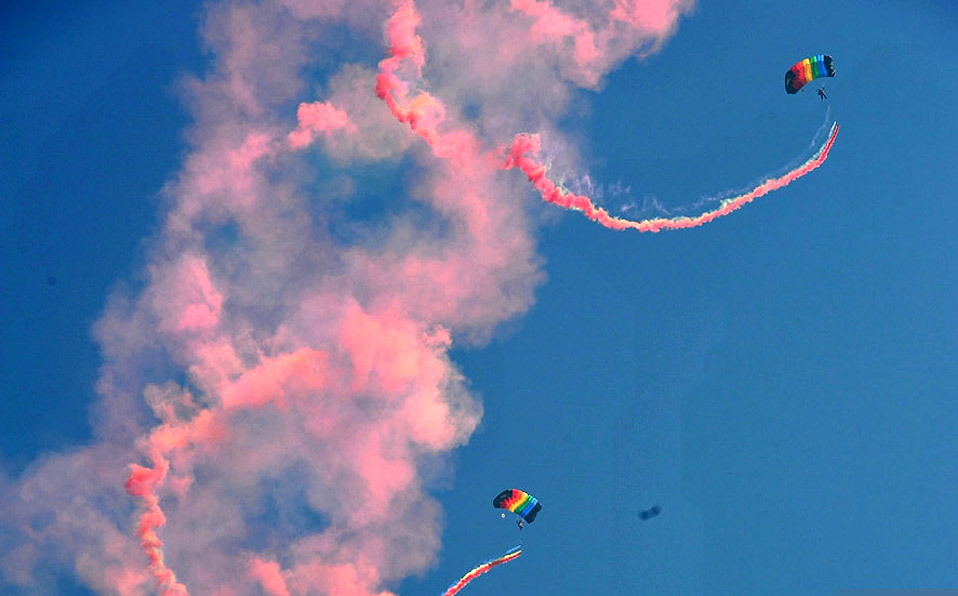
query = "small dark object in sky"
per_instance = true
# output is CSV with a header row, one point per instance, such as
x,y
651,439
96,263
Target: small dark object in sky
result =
x,y
650,512
51,281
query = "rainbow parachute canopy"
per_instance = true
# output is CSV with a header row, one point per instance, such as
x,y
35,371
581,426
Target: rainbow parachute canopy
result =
x,y
806,70
519,502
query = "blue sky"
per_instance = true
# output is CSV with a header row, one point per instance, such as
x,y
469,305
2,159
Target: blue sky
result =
x,y
782,381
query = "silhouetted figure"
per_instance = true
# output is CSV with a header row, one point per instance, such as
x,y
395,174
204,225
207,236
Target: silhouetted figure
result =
x,y
650,512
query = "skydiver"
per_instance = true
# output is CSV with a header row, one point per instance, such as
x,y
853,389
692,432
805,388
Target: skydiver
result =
x,y
521,524
821,93
650,513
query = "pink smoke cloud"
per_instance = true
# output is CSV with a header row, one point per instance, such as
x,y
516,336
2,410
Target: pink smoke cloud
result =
x,y
269,576
588,46
269,371
317,118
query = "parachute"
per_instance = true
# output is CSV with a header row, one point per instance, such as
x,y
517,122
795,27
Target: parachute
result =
x,y
522,504
519,502
806,70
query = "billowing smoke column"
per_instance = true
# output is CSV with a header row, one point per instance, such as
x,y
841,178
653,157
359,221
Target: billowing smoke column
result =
x,y
510,555
277,384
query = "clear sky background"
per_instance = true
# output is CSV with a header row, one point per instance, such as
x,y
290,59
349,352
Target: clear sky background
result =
x,y
783,381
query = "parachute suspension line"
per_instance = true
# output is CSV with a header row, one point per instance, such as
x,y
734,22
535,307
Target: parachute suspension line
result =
x,y
510,555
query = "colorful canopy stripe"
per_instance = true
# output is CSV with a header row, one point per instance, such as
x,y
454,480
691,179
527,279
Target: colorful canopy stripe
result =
x,y
519,502
806,70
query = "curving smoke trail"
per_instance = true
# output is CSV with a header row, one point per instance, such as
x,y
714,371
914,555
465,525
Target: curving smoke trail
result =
x,y
424,113
510,555
525,145
652,205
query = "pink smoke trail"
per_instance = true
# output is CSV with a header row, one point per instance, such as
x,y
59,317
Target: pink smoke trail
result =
x,y
552,193
510,555
424,113
404,44
704,203
254,388
142,483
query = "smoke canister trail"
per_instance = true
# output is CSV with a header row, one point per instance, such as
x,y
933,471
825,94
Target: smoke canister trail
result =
x,y
141,483
510,555
700,205
424,113
525,146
